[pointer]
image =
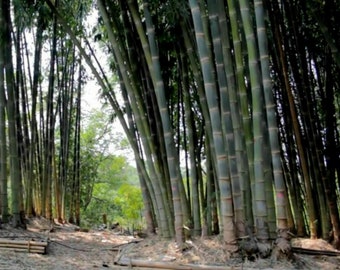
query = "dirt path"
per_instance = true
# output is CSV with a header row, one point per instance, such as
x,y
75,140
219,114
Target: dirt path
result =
x,y
71,249
67,248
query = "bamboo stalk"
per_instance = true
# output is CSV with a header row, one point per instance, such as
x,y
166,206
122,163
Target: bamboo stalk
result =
x,y
124,261
24,250
32,249
35,243
23,246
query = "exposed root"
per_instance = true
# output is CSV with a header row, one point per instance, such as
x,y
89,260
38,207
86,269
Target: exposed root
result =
x,y
264,249
249,248
253,248
282,246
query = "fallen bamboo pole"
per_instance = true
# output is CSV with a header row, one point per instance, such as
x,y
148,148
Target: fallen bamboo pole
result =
x,y
20,242
30,248
24,246
124,261
24,250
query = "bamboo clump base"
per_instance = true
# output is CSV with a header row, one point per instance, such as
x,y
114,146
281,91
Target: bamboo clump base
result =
x,y
24,246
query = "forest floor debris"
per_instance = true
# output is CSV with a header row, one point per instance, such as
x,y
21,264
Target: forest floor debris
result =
x,y
71,248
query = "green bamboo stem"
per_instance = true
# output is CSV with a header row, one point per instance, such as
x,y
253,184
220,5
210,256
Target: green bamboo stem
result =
x,y
227,215
152,58
259,123
238,128
245,120
227,120
141,122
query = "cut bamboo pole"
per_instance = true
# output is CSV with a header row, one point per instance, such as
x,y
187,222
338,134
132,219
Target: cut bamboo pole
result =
x,y
124,261
24,250
35,243
28,245
23,246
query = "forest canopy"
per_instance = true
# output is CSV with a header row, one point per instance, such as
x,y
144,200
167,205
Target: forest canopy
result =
x,y
231,109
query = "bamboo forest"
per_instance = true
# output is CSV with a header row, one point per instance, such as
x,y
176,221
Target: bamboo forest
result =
x,y
231,109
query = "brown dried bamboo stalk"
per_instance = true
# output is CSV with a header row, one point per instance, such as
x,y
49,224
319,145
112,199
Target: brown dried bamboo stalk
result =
x,y
10,245
19,242
23,246
24,250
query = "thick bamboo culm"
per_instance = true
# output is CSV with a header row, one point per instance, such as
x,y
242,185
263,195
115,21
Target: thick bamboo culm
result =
x,y
23,246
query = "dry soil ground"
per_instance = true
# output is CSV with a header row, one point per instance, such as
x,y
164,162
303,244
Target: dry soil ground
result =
x,y
71,249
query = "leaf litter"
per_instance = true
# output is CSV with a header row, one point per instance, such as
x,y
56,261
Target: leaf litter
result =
x,y
71,248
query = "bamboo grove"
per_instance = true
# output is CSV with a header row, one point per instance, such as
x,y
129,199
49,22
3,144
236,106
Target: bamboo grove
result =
x,y
40,115
231,108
